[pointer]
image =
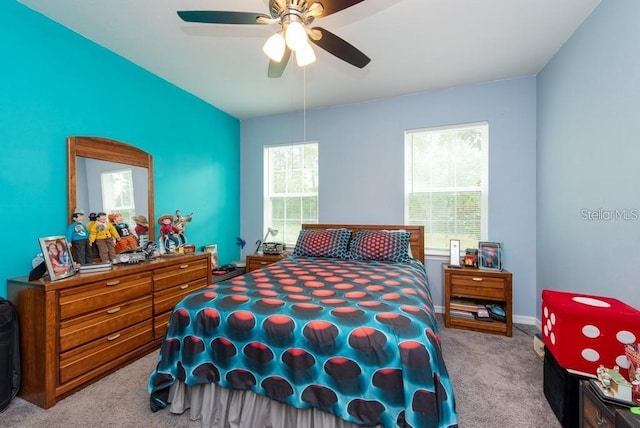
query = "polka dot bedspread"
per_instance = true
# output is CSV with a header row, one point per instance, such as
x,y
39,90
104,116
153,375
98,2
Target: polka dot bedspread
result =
x,y
357,339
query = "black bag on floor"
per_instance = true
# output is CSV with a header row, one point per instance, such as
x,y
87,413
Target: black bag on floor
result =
x,y
9,353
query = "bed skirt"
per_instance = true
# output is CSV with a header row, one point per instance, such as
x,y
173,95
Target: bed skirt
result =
x,y
218,407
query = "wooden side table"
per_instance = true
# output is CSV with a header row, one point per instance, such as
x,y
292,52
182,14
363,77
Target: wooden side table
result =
x,y
259,260
597,414
483,287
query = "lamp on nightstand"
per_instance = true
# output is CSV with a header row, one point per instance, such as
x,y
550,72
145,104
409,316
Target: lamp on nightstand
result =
x,y
270,247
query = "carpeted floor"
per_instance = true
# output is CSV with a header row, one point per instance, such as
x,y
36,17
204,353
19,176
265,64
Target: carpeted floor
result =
x,y
497,381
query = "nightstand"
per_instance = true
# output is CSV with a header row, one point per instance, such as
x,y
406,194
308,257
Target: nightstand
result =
x,y
259,260
482,287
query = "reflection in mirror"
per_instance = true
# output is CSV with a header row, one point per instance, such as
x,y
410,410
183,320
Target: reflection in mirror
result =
x,y
111,187
110,176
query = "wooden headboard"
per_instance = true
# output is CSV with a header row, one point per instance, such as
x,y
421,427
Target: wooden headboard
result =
x,y
416,240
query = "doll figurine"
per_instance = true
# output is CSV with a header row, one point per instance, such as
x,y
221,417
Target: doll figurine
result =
x,y
104,235
142,225
128,238
168,232
78,237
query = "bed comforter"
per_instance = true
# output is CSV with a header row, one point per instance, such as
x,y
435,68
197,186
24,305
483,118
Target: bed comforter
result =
x,y
355,339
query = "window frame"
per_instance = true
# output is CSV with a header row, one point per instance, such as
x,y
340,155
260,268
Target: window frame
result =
x,y
268,221
127,212
483,187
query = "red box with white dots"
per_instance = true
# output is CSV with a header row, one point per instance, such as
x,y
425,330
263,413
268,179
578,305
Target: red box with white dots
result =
x,y
584,331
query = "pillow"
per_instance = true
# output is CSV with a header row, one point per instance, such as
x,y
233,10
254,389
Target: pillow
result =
x,y
322,243
381,245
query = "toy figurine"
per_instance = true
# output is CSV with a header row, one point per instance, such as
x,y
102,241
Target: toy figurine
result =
x,y
181,222
142,225
128,238
169,233
78,237
104,234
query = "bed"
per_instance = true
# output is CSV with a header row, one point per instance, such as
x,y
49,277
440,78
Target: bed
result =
x,y
342,333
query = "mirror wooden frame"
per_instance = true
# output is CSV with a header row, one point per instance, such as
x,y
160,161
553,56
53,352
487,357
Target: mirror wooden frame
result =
x,y
112,151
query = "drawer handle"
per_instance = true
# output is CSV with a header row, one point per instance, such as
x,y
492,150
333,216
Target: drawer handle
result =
x,y
263,263
112,283
476,279
113,310
113,337
184,266
184,287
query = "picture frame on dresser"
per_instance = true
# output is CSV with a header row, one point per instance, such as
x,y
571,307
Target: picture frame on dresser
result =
x,y
57,257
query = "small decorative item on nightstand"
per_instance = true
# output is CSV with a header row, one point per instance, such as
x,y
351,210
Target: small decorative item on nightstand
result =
x,y
490,255
454,252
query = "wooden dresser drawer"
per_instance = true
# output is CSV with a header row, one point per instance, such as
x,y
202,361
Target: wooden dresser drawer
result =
x,y
467,285
86,328
110,292
165,300
190,270
92,355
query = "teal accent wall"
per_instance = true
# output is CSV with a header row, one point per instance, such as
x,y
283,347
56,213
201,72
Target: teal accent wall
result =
x,y
588,202
54,83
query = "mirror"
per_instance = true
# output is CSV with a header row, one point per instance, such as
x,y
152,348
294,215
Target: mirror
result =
x,y
89,157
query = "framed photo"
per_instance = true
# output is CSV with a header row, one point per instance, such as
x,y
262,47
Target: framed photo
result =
x,y
213,250
57,257
490,255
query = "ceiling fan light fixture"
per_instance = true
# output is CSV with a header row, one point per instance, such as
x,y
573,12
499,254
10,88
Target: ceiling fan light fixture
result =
x,y
274,47
296,35
305,55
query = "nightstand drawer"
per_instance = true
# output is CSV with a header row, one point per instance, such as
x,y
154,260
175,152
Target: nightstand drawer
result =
x,y
478,286
259,261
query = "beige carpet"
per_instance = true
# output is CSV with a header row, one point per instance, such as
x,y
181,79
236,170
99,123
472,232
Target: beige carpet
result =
x,y
497,382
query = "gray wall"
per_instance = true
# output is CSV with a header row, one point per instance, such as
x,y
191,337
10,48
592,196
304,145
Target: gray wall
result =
x,y
362,166
588,154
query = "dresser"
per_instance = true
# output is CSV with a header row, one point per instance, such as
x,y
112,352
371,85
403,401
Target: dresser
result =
x,y
76,330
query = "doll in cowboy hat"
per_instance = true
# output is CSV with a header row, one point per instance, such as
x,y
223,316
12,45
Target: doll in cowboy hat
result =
x,y
168,231
142,224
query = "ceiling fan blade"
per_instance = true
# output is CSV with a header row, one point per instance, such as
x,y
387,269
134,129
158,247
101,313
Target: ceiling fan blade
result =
x,y
221,17
333,6
277,68
340,48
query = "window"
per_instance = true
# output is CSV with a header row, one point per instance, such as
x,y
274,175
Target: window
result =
x,y
117,193
446,184
291,188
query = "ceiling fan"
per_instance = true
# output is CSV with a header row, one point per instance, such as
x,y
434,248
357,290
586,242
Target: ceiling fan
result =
x,y
294,17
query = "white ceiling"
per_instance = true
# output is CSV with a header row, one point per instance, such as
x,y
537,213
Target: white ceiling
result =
x,y
414,46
